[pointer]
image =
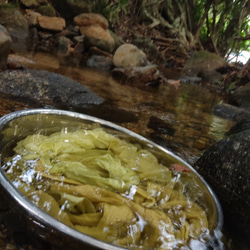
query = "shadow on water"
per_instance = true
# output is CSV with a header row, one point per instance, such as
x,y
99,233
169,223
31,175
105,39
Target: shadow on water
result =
x,y
179,119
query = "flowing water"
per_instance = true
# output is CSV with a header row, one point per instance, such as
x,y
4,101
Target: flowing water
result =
x,y
179,118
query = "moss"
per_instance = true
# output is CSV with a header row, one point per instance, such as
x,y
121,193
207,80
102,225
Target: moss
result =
x,y
47,10
9,5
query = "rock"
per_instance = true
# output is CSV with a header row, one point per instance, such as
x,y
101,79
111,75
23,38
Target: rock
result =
x,y
118,40
46,88
79,39
17,25
230,112
5,44
160,126
29,3
128,55
203,64
191,79
46,10
241,97
63,44
87,19
138,76
51,23
32,16
96,36
211,76
225,166
100,62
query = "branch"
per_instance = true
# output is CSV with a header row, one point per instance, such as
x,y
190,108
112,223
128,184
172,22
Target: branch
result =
x,y
154,10
244,38
207,7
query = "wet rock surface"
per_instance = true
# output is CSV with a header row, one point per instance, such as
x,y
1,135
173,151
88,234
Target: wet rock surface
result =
x,y
45,87
241,97
5,44
225,166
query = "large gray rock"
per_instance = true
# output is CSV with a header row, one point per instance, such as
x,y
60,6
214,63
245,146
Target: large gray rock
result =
x,y
226,167
5,44
17,25
46,88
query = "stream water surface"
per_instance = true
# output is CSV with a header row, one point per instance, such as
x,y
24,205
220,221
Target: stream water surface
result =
x,y
179,118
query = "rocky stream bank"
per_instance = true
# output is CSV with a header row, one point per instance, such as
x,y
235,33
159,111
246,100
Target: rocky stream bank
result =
x,y
86,38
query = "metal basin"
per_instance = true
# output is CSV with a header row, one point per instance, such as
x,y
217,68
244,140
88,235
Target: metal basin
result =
x,y
18,125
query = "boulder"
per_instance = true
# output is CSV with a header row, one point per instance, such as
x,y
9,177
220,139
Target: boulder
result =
x,y
17,25
128,55
32,16
139,76
46,10
225,166
51,23
241,97
86,19
96,36
5,44
46,88
204,64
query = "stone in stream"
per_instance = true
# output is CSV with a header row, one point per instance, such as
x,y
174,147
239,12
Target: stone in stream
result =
x,y
46,87
226,167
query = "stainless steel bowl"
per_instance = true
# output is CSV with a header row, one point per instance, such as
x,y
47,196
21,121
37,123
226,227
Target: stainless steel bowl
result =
x,y
16,126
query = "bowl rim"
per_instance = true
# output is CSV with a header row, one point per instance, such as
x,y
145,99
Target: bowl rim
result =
x,y
45,218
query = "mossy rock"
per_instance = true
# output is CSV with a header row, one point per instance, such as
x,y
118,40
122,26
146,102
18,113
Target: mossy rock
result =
x,y
16,24
202,61
46,10
225,166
